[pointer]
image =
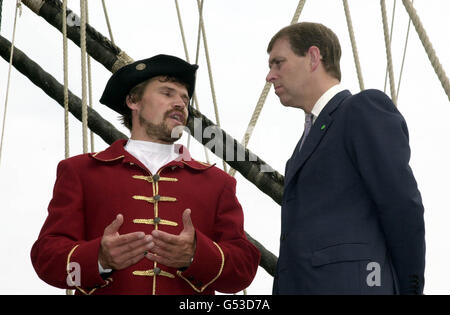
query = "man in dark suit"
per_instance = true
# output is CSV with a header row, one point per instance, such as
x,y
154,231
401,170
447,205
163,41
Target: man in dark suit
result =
x,y
352,216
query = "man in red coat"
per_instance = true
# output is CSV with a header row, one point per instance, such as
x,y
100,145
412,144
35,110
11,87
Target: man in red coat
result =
x,y
143,217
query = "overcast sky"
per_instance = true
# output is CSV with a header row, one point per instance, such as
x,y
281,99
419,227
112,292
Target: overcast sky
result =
x,y
238,32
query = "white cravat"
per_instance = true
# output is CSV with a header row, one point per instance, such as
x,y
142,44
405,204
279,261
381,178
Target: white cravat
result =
x,y
152,155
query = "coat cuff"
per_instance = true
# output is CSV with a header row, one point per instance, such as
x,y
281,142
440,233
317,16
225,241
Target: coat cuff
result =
x,y
82,267
207,265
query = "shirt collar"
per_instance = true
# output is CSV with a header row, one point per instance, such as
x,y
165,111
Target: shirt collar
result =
x,y
117,152
150,147
324,99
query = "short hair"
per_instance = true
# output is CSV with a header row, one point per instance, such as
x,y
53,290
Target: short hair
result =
x,y
303,35
136,93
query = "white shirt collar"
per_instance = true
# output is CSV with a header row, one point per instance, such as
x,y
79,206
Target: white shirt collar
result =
x,y
324,99
149,147
153,155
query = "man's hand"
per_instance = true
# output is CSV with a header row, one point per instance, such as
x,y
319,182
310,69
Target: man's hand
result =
x,y
172,250
121,251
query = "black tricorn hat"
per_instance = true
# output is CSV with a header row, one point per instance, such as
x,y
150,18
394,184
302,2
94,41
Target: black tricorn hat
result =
x,y
127,77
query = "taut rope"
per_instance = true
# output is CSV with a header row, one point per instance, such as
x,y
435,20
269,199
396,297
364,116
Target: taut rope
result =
x,y
388,51
18,12
353,41
428,47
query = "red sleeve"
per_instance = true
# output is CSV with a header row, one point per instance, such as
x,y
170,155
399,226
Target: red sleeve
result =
x,y
60,250
228,262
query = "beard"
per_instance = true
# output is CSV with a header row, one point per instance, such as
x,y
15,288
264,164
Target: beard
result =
x,y
160,131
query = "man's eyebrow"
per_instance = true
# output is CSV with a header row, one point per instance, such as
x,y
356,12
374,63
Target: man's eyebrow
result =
x,y
274,59
165,87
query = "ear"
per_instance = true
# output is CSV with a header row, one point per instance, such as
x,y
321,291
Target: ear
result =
x,y
315,58
131,105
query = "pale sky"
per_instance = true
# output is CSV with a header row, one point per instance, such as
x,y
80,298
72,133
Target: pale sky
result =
x,y
238,32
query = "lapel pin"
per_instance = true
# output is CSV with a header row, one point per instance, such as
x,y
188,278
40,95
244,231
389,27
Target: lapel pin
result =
x,y
322,128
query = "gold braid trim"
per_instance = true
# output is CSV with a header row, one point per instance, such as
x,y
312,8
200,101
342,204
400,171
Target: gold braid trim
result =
x,y
152,221
151,200
97,158
151,273
155,188
179,273
204,164
150,178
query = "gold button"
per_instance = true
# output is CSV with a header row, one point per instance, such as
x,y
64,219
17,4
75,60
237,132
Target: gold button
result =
x,y
141,66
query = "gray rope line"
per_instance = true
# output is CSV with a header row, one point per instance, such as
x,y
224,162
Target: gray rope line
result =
x,y
388,51
390,39
353,42
404,55
428,47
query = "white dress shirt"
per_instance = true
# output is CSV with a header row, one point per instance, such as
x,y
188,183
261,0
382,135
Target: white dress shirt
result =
x,y
324,99
153,155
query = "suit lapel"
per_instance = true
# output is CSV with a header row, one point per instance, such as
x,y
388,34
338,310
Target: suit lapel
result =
x,y
316,134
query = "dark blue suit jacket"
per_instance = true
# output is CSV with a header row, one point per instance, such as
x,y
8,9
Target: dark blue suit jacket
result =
x,y
352,216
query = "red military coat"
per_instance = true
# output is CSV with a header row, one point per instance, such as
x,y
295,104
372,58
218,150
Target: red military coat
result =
x,y
91,189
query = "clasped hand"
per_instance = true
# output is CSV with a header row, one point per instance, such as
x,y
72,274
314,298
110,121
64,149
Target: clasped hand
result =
x,y
121,251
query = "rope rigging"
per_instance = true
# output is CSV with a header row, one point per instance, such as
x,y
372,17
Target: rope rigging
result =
x,y
428,47
108,24
404,55
353,42
388,51
183,37
390,40
83,74
66,81
208,62
18,12
89,77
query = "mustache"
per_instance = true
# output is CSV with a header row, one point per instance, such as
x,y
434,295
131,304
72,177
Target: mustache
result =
x,y
171,112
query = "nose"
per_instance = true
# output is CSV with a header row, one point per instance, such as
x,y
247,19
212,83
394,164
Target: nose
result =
x,y
270,77
179,103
